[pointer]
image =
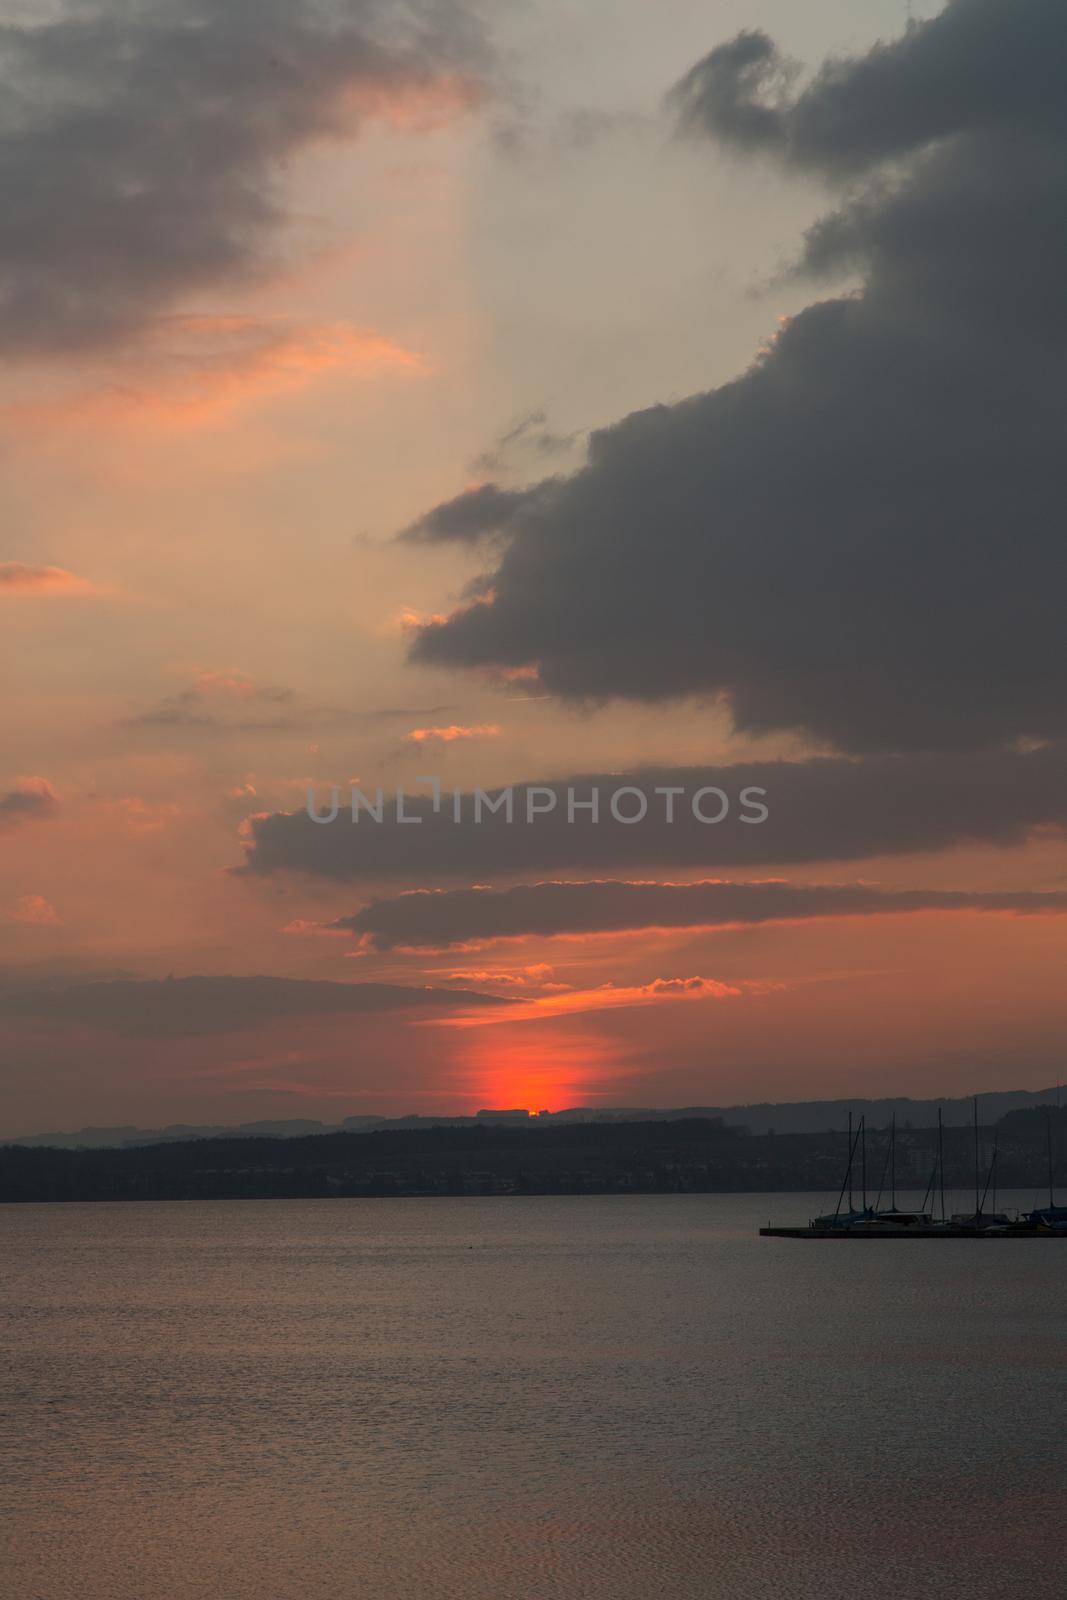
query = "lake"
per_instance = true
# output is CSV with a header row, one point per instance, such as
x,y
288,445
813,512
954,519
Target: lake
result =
x,y
521,1399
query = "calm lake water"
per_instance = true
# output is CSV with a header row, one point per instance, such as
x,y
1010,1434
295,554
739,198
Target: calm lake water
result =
x,y
510,1399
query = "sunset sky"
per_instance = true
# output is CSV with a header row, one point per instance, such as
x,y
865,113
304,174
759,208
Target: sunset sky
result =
x,y
558,392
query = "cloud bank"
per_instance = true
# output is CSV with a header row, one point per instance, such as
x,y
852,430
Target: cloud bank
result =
x,y
826,809
438,919
860,539
172,1007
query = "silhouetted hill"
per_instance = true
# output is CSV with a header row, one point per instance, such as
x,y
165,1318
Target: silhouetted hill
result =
x,y
669,1155
793,1116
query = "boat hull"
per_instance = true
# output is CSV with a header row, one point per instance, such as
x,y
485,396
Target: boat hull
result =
x,y
912,1233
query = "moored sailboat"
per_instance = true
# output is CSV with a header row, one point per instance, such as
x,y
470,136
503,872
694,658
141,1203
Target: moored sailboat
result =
x,y
891,1222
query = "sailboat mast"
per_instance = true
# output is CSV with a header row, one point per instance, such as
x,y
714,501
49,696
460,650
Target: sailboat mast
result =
x,y
863,1157
893,1162
846,1181
977,1202
851,1207
941,1160
991,1179
1048,1148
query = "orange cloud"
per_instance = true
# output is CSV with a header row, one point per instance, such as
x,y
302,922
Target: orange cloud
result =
x,y
35,909
193,371
408,620
607,996
449,735
528,673
233,685
525,674
37,785
16,577
535,976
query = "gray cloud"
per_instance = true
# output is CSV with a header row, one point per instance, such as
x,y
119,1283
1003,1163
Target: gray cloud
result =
x,y
530,438
826,809
527,132
30,802
980,64
258,708
437,919
173,1007
736,93
860,538
475,515
140,142
190,709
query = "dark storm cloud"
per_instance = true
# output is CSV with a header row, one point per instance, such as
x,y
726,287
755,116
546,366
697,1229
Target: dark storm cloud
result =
x,y
140,141
30,802
979,64
861,538
437,919
828,809
173,1007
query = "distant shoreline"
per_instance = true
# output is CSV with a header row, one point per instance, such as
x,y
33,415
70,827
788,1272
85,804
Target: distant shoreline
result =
x,y
698,1155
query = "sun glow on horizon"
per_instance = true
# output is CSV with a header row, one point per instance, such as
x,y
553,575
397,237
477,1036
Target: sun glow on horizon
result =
x,y
546,1074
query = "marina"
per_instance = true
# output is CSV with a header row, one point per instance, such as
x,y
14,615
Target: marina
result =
x,y
875,1222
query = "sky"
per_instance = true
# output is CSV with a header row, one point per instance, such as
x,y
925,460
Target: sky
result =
x,y
544,397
